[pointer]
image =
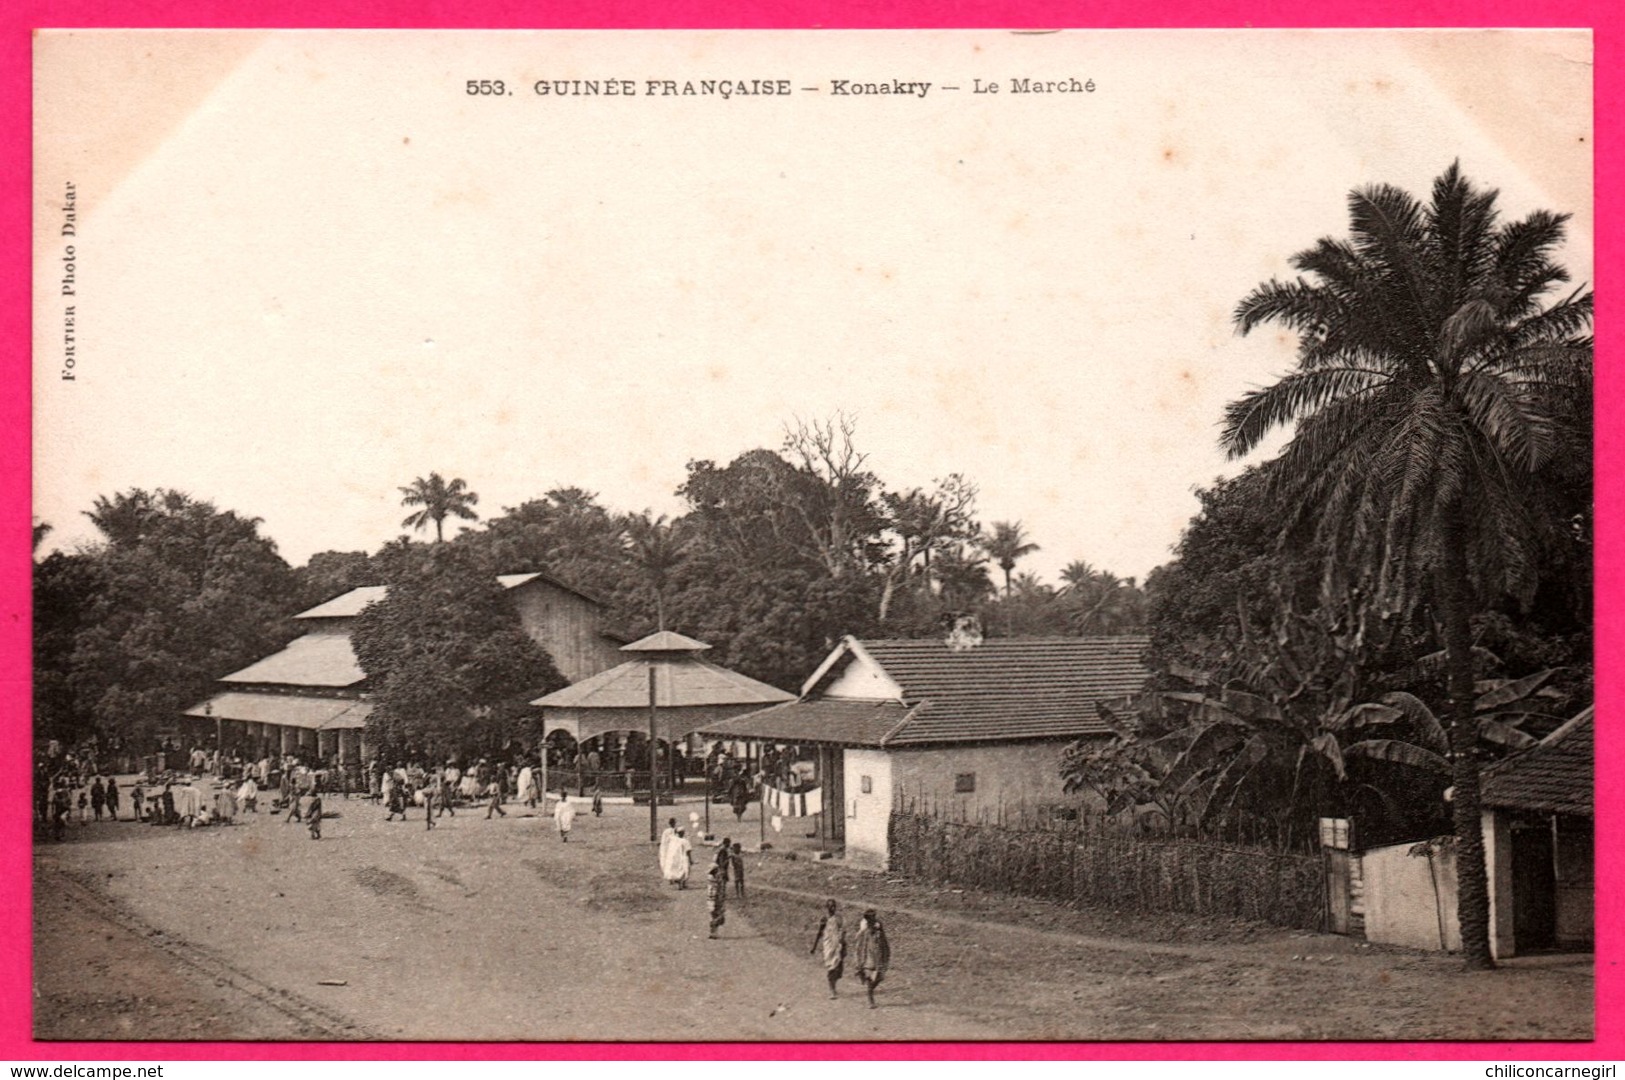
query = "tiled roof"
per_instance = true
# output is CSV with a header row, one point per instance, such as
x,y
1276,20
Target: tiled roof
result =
x,y
829,720
1555,776
686,682
1009,688
322,659
348,605
289,710
1003,689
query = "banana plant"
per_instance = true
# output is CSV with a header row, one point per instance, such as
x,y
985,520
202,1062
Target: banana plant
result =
x,y
1500,707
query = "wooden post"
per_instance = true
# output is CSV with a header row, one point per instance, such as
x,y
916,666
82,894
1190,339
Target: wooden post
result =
x,y
654,808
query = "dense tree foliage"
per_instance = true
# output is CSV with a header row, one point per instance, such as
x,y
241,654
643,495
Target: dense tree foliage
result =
x,y
448,664
133,630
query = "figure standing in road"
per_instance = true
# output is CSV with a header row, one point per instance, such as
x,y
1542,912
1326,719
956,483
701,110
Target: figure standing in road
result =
x,y
313,815
564,815
448,790
394,789
830,944
112,798
716,898
494,789
871,953
736,862
722,861
677,860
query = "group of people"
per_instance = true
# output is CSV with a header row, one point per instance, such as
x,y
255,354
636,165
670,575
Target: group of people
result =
x,y
871,951
676,859
439,790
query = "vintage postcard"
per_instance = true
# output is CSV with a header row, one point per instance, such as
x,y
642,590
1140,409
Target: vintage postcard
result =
x,y
813,536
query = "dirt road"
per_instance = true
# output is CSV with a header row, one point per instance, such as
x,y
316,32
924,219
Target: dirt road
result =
x,y
495,930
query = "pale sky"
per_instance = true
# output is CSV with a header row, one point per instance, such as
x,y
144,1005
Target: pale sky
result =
x,y
309,267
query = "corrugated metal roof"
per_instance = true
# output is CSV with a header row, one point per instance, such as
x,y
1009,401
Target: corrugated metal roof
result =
x,y
321,659
1555,776
289,710
345,605
348,605
687,681
827,720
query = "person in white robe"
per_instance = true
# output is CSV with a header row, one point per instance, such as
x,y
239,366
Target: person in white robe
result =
x,y
677,860
527,787
564,815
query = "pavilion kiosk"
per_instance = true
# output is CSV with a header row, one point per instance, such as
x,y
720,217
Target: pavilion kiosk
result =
x,y
664,692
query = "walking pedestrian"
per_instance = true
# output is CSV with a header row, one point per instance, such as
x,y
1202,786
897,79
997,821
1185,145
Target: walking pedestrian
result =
x,y
597,800
61,807
448,790
494,789
736,861
871,953
137,797
716,898
98,798
394,796
564,815
313,814
722,861
429,790
830,944
112,798
527,788
678,858
84,808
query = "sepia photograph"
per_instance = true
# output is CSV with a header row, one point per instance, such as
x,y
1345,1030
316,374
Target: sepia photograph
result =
x,y
771,537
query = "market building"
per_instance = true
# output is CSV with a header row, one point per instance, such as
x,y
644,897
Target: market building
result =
x,y
310,697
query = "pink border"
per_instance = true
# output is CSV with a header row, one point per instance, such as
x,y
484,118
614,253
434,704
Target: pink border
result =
x,y
18,18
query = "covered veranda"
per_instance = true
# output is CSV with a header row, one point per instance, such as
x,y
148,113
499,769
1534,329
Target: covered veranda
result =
x,y
255,725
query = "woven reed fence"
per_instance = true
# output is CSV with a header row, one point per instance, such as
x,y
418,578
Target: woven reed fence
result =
x,y
1091,862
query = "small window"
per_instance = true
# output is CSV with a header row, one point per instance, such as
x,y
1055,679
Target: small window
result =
x,y
964,783
867,785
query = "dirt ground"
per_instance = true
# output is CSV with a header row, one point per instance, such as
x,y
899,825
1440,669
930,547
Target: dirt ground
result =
x,y
495,930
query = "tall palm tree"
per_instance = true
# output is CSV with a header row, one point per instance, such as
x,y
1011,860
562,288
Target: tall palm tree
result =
x,y
1433,385
657,546
1077,574
1005,544
439,500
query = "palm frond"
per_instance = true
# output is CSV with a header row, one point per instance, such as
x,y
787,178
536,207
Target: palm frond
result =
x,y
1255,414
1398,752
1429,732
